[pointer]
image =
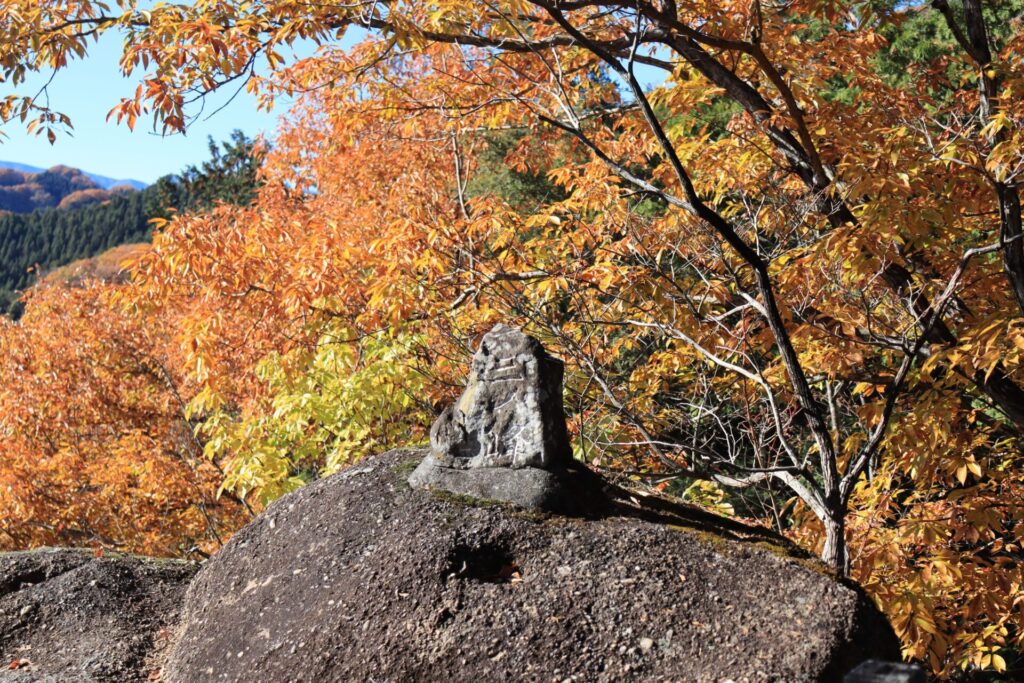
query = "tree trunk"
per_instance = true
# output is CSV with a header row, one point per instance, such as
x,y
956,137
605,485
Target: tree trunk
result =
x,y
1012,237
834,553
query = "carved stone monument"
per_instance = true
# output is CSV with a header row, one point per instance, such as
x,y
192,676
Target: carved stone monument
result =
x,y
505,438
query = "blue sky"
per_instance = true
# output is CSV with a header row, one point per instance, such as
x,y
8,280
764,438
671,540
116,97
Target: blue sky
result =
x,y
87,90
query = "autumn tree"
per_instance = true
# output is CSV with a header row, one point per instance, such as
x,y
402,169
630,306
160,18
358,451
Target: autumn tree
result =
x,y
791,270
95,449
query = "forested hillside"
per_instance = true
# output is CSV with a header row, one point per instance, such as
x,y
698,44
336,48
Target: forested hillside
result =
x,y
105,182
60,186
32,243
57,236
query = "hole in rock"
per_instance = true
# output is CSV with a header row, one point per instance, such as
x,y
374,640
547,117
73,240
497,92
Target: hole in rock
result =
x,y
484,563
23,580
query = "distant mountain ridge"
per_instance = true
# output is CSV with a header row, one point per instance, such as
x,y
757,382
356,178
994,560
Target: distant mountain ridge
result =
x,y
57,187
101,180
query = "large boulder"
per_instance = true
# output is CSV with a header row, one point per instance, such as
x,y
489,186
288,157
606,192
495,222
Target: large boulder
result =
x,y
358,577
67,615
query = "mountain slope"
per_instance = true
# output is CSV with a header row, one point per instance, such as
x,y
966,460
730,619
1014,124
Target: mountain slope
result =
x,y
91,220
34,242
60,186
102,181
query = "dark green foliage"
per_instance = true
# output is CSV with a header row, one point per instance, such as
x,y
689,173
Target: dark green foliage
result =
x,y
54,237
228,177
10,304
918,35
524,190
33,243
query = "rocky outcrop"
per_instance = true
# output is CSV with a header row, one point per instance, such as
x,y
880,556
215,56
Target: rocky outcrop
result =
x,y
505,438
358,577
378,575
66,615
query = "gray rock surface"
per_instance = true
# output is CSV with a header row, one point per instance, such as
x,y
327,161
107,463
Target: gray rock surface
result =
x,y
66,615
505,438
357,577
875,671
527,487
510,414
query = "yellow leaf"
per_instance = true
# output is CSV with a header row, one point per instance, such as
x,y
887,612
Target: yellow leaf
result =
x,y
925,625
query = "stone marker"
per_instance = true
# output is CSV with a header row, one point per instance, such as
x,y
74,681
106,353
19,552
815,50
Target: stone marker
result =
x,y
505,438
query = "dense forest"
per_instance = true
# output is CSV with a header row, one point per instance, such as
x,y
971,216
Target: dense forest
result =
x,y
787,280
33,243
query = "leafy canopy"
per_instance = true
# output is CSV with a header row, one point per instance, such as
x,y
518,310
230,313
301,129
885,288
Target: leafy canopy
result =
x,y
789,280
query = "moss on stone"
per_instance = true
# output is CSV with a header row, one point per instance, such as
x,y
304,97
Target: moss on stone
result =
x,y
488,504
800,556
726,546
403,469
467,500
712,539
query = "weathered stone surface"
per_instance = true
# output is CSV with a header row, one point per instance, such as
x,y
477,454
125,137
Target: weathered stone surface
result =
x,y
66,615
527,487
875,671
505,438
357,577
510,414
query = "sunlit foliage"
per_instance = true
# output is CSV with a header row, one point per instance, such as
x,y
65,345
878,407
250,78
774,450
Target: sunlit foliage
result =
x,y
788,282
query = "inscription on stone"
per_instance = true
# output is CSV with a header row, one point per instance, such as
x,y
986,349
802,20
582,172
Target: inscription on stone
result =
x,y
509,417
510,414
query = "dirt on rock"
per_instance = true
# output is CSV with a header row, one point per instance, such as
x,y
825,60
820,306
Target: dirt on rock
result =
x,y
69,616
358,578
